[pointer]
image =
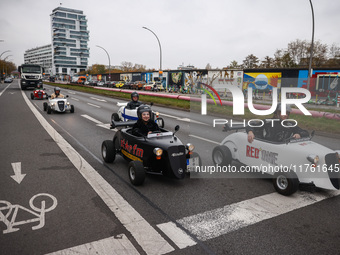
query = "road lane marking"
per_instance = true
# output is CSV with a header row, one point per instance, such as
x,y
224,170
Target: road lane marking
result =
x,y
94,105
98,99
4,89
92,119
99,123
205,139
221,221
18,176
112,245
75,99
177,235
145,235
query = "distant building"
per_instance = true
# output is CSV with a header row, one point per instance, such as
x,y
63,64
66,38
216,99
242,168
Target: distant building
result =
x,y
70,37
41,56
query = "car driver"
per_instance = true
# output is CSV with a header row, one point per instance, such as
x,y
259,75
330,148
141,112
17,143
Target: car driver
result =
x,y
134,103
144,125
57,93
274,130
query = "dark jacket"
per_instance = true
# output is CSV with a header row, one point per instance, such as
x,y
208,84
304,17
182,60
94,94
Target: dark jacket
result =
x,y
275,132
133,105
140,128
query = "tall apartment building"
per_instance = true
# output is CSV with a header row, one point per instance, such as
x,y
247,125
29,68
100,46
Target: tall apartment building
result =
x,y
41,56
70,36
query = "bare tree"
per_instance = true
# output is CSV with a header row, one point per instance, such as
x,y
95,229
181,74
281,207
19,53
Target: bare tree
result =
x,y
268,62
127,66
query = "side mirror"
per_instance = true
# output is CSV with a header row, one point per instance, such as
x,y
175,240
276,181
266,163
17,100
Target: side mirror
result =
x,y
176,128
66,95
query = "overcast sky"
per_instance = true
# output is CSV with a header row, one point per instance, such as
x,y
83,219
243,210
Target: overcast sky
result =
x,y
195,32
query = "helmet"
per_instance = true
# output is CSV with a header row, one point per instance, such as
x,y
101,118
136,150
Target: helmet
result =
x,y
143,108
56,89
134,94
278,108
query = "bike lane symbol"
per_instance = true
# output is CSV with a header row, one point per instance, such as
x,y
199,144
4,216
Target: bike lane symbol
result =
x,y
9,217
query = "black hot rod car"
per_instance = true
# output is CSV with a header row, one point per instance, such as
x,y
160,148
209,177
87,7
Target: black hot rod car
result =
x,y
157,153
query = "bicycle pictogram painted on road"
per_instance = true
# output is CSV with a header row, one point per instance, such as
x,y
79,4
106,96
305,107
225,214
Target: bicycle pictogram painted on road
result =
x,y
9,212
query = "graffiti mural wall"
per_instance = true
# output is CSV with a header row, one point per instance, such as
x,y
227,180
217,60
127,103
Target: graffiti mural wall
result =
x,y
262,81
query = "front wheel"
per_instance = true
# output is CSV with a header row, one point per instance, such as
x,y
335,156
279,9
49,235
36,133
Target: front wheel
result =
x,y
286,183
32,96
115,117
45,106
221,155
136,172
108,151
72,108
49,109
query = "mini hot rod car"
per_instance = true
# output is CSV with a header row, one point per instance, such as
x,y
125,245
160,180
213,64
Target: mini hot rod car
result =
x,y
157,153
125,114
39,94
58,105
288,163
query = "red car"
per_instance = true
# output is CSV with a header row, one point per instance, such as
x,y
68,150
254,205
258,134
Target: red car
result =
x,y
39,94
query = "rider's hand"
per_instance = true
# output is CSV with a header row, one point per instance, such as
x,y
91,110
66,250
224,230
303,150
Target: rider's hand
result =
x,y
251,136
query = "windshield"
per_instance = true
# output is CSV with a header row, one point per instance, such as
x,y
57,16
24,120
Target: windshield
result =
x,y
31,69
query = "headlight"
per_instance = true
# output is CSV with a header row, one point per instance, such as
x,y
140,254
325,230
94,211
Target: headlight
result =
x,y
190,147
314,159
157,114
158,152
68,103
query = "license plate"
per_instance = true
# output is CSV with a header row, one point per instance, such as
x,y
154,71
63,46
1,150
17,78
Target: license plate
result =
x,y
192,163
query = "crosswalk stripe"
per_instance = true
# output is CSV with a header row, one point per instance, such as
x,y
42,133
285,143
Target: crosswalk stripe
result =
x,y
214,223
177,235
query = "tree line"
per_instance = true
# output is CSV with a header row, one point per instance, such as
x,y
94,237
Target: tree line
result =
x,y
296,55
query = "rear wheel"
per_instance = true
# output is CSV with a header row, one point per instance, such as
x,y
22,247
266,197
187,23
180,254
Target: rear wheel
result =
x,y
286,183
108,151
221,155
136,172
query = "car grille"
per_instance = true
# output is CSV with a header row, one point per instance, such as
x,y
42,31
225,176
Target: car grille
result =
x,y
61,105
332,162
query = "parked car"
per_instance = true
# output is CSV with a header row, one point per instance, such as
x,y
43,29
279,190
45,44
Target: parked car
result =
x,y
138,85
120,84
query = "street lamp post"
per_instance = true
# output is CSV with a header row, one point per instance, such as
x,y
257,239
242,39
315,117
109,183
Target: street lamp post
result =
x,y
160,54
311,47
109,61
4,53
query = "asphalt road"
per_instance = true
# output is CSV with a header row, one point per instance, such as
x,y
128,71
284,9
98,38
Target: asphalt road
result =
x,y
79,202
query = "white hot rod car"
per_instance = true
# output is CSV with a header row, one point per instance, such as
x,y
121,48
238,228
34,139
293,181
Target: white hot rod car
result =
x,y
58,105
288,163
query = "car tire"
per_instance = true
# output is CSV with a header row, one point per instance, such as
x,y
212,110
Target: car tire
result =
x,y
72,108
286,183
108,151
32,96
136,172
49,109
45,106
115,117
221,155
